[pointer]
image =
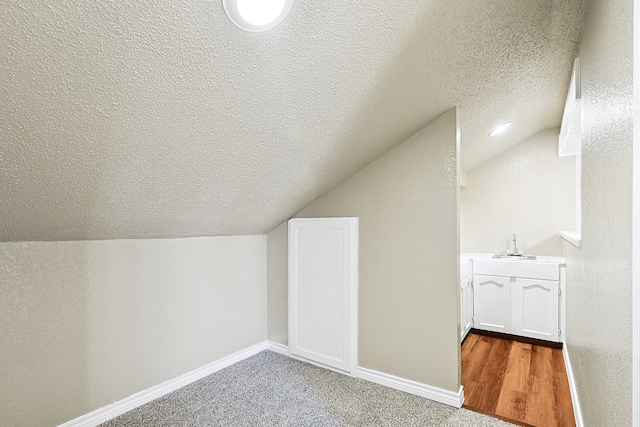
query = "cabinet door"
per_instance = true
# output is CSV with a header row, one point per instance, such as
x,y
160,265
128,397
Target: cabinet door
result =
x,y
492,303
466,306
536,308
323,284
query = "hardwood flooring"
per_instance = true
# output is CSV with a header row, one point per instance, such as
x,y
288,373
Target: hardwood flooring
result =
x,y
521,383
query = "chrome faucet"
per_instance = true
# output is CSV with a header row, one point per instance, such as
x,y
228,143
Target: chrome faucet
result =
x,y
515,247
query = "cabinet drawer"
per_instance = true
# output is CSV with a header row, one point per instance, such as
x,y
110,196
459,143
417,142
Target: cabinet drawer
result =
x,y
515,268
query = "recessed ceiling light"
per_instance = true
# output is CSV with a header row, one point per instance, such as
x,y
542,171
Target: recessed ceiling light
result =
x,y
256,15
500,129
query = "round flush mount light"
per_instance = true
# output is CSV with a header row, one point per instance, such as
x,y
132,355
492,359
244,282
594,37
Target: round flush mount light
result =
x,y
500,129
256,15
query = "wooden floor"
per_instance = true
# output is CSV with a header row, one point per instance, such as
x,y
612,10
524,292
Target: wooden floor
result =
x,y
521,383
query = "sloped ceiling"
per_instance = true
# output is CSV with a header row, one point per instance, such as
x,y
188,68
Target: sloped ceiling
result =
x,y
137,119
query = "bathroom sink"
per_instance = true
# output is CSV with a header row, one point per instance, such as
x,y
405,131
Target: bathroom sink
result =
x,y
522,257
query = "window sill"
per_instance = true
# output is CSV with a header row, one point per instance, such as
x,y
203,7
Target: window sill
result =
x,y
572,237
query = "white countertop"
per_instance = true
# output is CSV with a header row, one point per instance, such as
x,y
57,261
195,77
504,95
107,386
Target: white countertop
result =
x,y
464,256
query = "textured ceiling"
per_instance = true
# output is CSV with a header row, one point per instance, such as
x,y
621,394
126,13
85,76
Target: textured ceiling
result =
x,y
162,119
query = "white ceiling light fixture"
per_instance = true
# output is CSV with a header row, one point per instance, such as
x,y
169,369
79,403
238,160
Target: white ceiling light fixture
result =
x,y
500,129
256,15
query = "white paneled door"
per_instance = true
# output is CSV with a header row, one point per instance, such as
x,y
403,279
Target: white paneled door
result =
x,y
323,285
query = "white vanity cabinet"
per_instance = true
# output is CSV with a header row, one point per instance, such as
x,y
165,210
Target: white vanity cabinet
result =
x,y
518,297
466,298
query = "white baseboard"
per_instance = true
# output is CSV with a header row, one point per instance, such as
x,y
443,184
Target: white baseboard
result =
x,y
447,397
577,411
115,409
433,393
278,348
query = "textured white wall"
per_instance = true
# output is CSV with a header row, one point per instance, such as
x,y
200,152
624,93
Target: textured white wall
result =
x,y
84,324
527,190
407,202
599,291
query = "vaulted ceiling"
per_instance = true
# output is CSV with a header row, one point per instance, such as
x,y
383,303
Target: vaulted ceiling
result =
x,y
137,119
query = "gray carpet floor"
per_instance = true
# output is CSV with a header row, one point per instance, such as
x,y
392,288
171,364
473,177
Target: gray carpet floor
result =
x,y
269,389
